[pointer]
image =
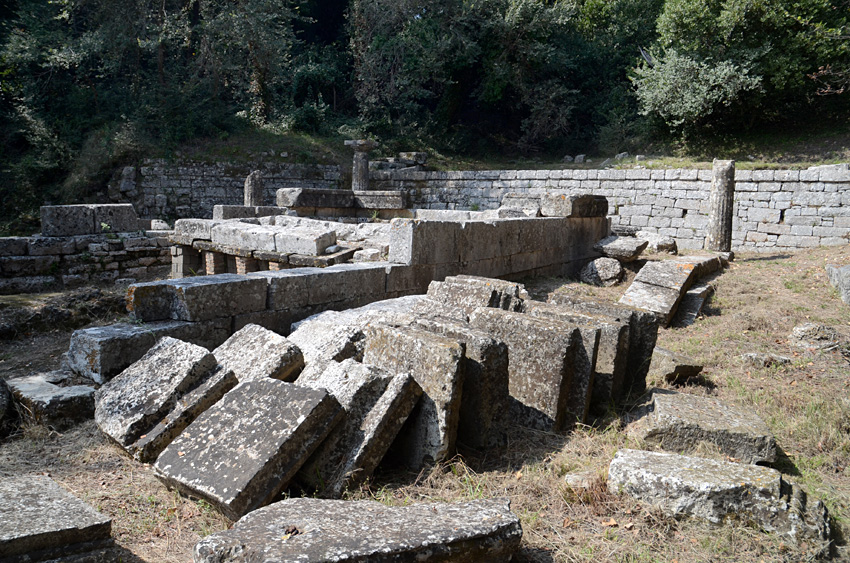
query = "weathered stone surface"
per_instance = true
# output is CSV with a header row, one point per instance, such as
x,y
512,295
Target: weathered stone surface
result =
x,y
658,243
67,220
678,422
194,229
721,206
542,363
99,353
47,403
375,199
485,382
198,298
45,246
603,272
14,246
114,218
624,249
813,335
672,367
470,292
692,303
376,406
673,274
760,360
839,277
241,452
558,205
483,531
303,197
245,236
719,491
436,363
254,189
304,240
139,397
40,521
255,353
662,301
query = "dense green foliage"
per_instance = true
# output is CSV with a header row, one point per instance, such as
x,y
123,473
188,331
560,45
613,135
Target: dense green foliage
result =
x,y
88,84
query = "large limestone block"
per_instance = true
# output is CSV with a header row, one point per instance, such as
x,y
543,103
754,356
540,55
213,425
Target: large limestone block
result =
x,y
485,383
287,289
304,240
40,521
719,491
256,353
624,249
672,274
658,243
115,218
67,220
245,236
376,406
542,357
141,396
241,452
483,531
48,403
425,242
470,292
678,422
661,301
436,363
100,353
306,197
194,229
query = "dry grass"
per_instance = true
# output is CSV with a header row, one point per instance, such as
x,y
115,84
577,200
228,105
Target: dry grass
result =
x,y
757,303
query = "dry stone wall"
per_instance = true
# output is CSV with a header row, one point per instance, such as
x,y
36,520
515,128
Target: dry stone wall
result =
x,y
774,209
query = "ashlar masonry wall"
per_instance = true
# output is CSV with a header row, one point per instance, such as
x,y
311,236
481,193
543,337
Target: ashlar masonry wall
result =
x,y
774,209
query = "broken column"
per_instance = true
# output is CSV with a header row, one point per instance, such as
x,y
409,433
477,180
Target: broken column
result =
x,y
254,189
360,169
721,201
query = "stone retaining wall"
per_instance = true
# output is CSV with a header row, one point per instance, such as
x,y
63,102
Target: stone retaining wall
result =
x,y
774,209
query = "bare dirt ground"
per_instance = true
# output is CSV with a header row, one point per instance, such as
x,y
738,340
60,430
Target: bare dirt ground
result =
x,y
758,301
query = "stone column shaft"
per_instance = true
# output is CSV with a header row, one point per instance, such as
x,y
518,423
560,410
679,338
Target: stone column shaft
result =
x,y
721,202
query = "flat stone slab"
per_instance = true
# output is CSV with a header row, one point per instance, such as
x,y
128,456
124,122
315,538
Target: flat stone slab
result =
x,y
436,363
672,367
662,301
624,249
719,491
254,352
376,406
244,450
672,274
308,530
41,521
679,422
45,402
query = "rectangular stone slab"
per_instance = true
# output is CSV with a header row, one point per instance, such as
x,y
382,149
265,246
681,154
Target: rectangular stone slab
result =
x,y
39,520
256,353
482,531
243,451
662,301
542,355
673,274
243,235
471,292
436,363
47,403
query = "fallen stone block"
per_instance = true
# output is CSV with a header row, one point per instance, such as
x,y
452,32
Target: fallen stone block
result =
x,y
129,406
100,353
485,395
703,265
672,367
436,363
662,301
671,274
678,422
691,304
257,353
40,521
376,405
244,450
476,532
839,277
624,249
658,243
603,272
814,336
720,491
759,360
542,356
470,292
44,402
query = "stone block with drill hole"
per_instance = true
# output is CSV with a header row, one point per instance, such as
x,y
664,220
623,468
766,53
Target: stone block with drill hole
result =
x,y
672,367
67,220
257,353
436,363
612,354
542,363
624,249
678,422
244,450
476,532
244,235
376,405
303,240
138,398
719,491
485,382
102,352
470,292
603,272
41,521
44,402
200,298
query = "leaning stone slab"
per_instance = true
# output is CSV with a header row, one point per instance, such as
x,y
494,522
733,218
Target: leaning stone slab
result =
x,y
133,402
40,521
679,422
241,452
624,249
376,406
436,363
312,530
256,353
719,491
541,365
672,367
839,277
692,303
661,301
44,402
